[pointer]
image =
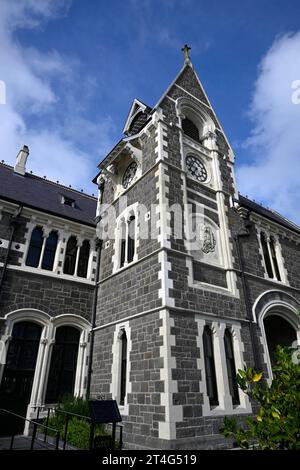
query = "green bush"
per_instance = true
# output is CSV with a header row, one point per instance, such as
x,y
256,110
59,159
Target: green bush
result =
x,y
78,433
276,425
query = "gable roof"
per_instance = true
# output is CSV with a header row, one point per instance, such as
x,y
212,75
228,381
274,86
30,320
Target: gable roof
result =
x,y
44,195
189,69
137,108
268,213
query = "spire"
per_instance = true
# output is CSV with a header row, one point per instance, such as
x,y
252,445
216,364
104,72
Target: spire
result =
x,y
186,49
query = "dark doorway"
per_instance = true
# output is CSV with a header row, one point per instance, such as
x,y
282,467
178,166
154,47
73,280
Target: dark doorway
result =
x,y
62,372
278,332
18,375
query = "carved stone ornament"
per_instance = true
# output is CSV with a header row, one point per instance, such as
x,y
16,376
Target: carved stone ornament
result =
x,y
209,241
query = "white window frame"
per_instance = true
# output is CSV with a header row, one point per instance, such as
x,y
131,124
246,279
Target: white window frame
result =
x,y
279,258
124,217
225,406
115,386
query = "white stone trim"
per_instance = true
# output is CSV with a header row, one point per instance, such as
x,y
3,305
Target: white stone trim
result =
x,y
124,217
209,106
164,216
275,228
166,283
280,308
63,233
203,285
49,326
45,272
43,218
278,254
225,406
161,134
225,234
115,385
136,107
173,413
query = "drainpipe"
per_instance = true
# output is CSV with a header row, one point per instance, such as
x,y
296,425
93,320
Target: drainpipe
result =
x,y
247,224
14,223
99,243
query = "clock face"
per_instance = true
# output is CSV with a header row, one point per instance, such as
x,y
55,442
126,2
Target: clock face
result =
x,y
129,174
196,168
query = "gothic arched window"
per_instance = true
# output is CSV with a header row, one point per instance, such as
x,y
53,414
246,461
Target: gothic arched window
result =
x,y
70,258
83,259
50,250
61,379
268,245
123,340
266,254
274,258
131,239
190,129
123,244
210,370
35,247
231,370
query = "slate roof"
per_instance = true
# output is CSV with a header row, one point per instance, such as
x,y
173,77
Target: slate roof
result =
x,y
268,213
46,196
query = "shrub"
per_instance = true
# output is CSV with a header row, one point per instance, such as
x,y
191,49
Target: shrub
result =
x,y
276,425
78,433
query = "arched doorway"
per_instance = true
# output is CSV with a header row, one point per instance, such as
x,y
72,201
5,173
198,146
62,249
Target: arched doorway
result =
x,y
278,331
61,378
16,384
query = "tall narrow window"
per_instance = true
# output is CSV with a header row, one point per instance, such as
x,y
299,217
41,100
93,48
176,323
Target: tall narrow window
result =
x,y
83,261
50,250
131,239
70,258
35,247
210,371
274,258
190,129
61,379
231,371
123,367
123,244
266,254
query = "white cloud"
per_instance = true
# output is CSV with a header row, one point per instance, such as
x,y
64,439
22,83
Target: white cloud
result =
x,y
272,176
40,113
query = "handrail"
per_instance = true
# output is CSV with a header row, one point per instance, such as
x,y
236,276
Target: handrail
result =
x,y
35,425
68,414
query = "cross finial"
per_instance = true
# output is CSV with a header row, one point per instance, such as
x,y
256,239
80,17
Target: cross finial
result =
x,y
186,50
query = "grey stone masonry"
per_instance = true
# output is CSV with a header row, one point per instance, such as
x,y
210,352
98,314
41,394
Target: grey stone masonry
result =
x,y
165,297
47,294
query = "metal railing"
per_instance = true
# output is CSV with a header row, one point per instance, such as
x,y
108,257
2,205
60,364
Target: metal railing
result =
x,y
68,416
34,430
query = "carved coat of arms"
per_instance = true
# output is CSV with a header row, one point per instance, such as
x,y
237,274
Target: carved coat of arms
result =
x,y
209,241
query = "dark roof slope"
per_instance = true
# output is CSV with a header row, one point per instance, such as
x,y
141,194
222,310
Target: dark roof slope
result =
x,y
46,196
268,213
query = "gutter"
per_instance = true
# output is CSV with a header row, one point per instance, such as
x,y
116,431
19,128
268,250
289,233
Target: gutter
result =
x,y
14,223
252,326
99,243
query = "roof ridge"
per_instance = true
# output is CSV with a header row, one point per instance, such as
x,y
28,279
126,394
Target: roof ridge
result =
x,y
53,182
285,218
272,211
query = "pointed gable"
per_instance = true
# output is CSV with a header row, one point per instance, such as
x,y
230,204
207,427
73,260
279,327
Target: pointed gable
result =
x,y
137,117
189,81
188,85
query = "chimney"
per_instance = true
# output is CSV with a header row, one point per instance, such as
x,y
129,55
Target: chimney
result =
x,y
20,166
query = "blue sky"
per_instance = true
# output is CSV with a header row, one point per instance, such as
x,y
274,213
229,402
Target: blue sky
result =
x,y
72,69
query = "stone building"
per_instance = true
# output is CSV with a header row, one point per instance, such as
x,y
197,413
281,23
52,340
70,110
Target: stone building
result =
x,y
47,277
179,311
195,280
